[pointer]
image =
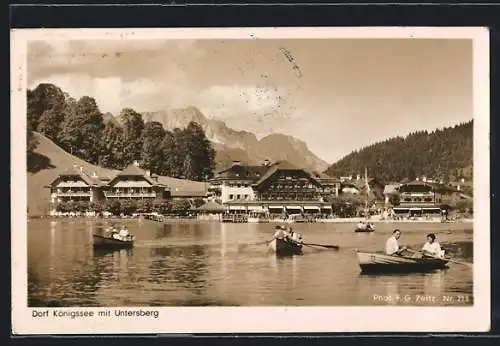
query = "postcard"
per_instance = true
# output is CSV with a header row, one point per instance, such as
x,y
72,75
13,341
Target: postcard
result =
x,y
263,180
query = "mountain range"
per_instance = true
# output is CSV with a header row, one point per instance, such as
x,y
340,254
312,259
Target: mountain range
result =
x,y
232,145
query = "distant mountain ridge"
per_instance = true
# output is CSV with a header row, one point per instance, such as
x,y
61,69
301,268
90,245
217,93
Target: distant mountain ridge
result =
x,y
232,145
445,154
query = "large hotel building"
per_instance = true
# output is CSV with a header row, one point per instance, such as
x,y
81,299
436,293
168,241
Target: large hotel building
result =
x,y
276,188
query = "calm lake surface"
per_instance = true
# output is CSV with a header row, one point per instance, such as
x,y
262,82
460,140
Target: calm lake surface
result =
x,y
207,264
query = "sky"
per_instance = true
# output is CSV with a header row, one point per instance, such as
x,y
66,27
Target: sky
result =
x,y
337,95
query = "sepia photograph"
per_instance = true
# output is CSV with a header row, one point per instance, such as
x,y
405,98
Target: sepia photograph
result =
x,y
243,180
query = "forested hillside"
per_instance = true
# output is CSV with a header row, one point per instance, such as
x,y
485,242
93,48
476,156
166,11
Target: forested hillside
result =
x,y
79,127
442,154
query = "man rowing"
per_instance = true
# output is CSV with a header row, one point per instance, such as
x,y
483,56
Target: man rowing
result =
x,y
392,246
281,233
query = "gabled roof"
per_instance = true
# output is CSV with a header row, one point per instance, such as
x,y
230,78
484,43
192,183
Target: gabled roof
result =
x,y
390,189
211,206
135,171
279,166
76,171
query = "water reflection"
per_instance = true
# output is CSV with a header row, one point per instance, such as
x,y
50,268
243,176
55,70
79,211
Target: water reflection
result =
x,y
187,264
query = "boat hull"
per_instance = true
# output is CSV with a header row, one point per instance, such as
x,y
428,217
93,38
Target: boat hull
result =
x,y
101,242
285,248
381,263
364,229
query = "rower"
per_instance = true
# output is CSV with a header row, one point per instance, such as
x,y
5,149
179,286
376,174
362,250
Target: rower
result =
x,y
280,233
392,246
432,247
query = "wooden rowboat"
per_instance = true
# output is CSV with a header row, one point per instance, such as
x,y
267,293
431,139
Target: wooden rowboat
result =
x,y
102,242
285,248
365,228
372,262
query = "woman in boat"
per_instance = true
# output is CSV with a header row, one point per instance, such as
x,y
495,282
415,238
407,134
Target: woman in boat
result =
x,y
124,233
392,247
432,247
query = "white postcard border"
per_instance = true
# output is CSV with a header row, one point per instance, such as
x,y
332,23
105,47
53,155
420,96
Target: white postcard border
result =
x,y
257,319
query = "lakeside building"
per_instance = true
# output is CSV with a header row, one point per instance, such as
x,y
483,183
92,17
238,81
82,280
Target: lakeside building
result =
x,y
135,183
420,197
132,183
75,184
278,188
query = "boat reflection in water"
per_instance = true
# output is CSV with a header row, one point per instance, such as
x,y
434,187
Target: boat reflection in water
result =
x,y
205,264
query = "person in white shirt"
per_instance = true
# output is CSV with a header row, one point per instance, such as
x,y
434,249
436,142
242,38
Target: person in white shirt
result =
x,y
124,233
432,247
280,233
392,246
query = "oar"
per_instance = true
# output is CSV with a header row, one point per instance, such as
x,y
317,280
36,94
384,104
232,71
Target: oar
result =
x,y
322,245
459,262
259,243
448,259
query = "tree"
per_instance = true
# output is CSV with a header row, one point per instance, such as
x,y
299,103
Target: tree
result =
x,y
50,123
394,200
173,153
180,206
82,130
152,150
128,207
113,206
112,146
132,125
31,141
199,156
44,97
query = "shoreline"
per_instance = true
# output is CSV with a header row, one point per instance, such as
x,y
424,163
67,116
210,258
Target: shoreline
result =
x,y
184,219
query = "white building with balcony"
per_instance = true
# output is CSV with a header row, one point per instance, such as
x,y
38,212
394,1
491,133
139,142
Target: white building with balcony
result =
x,y
75,185
134,183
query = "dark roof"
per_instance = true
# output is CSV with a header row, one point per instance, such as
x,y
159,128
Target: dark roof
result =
x,y
241,171
279,166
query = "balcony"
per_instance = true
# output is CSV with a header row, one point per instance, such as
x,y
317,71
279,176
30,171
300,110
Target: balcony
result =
x,y
72,194
130,195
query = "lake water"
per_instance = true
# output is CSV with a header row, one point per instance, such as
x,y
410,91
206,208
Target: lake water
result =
x,y
207,264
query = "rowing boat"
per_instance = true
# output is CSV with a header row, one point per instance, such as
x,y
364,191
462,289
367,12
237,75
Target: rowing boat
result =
x,y
103,242
372,262
285,247
365,228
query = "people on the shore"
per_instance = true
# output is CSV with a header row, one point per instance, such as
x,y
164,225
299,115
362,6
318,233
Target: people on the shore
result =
x,y
432,248
392,246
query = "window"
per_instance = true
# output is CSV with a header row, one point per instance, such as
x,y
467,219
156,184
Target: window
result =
x,y
246,196
231,196
238,196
